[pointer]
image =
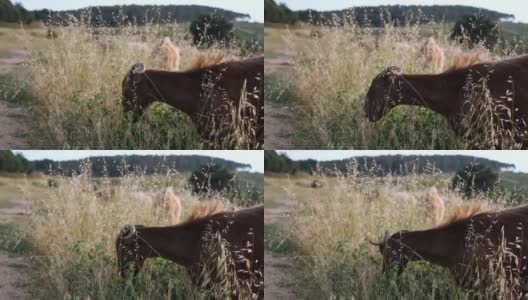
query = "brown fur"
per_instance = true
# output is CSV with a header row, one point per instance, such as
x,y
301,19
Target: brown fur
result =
x,y
185,244
467,246
446,94
209,96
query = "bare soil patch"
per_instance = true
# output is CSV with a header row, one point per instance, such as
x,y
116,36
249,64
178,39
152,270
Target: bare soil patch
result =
x,y
278,127
13,129
13,277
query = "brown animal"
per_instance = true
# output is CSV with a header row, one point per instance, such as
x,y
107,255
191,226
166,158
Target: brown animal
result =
x,y
172,205
436,204
434,55
169,53
476,247
211,96
188,245
472,99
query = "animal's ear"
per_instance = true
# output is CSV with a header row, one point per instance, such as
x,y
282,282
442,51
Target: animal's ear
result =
x,y
138,68
136,72
127,232
393,71
374,243
386,237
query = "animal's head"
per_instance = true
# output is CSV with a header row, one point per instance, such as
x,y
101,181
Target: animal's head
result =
x,y
383,94
128,250
394,251
136,92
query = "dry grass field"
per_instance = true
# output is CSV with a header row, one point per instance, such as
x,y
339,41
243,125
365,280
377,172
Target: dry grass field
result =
x,y
70,81
61,240
322,235
328,75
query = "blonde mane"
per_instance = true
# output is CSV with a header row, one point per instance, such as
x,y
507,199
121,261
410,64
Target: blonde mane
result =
x,y
206,60
464,60
464,212
204,210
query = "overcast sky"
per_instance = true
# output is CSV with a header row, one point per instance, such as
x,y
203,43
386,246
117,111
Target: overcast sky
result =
x,y
253,7
253,158
518,158
519,8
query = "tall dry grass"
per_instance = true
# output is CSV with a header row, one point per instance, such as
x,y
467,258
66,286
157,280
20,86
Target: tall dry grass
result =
x,y
329,228
332,71
73,231
75,86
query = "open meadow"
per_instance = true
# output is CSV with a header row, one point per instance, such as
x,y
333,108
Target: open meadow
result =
x,y
318,230
68,80
59,234
325,73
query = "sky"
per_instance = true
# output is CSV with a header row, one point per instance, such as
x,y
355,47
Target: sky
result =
x,y
518,158
519,8
253,158
253,7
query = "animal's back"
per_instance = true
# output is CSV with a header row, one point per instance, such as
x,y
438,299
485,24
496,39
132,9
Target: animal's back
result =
x,y
507,224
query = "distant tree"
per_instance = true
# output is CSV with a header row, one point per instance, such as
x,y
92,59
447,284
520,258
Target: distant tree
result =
x,y
117,166
11,163
278,13
14,13
208,30
474,178
279,163
211,178
476,29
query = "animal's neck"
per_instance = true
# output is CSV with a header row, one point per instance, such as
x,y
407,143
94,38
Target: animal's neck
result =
x,y
430,91
179,244
433,245
179,89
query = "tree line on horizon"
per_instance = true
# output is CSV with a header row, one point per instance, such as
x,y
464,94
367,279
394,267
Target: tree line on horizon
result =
x,y
378,16
135,14
113,166
378,165
278,13
115,15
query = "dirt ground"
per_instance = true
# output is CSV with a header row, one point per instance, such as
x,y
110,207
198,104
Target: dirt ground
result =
x,y
278,129
13,131
276,279
278,123
277,273
13,281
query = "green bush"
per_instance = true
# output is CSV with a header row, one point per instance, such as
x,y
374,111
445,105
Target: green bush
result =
x,y
475,178
211,178
209,30
476,29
